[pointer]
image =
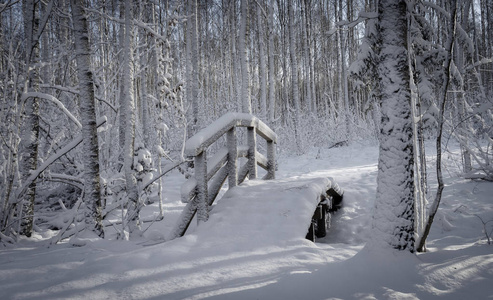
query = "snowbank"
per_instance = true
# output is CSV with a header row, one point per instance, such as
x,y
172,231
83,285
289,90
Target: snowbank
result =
x,y
280,264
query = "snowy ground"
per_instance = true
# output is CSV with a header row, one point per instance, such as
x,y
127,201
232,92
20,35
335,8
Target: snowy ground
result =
x,y
459,264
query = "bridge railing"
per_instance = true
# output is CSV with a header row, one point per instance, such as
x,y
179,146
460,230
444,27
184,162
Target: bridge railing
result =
x,y
200,191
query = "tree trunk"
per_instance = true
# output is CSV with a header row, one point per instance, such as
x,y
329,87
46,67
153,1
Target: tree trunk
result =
x,y
90,152
133,213
294,78
246,106
343,84
393,219
306,58
418,144
272,87
262,73
122,120
143,78
31,131
194,68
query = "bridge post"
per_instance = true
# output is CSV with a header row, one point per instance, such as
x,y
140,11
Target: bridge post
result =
x,y
271,160
201,177
252,152
232,166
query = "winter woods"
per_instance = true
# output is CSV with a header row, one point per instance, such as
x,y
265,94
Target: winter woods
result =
x,y
98,97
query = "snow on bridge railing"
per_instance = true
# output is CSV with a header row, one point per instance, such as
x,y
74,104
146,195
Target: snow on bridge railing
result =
x,y
201,191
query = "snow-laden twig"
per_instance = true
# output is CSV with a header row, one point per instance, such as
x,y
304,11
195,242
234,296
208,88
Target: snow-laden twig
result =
x,y
168,169
76,92
485,229
60,105
485,223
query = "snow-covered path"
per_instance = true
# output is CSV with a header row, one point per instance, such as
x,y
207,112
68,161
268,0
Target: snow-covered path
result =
x,y
199,265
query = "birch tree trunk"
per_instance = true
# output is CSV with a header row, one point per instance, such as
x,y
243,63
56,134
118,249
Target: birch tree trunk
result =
x,y
311,58
285,111
272,86
192,27
31,131
343,84
246,106
418,143
236,69
393,219
133,213
294,78
306,58
461,103
262,73
123,108
90,148
143,78
188,62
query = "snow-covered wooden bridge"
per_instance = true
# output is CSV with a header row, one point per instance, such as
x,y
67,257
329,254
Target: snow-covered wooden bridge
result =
x,y
291,207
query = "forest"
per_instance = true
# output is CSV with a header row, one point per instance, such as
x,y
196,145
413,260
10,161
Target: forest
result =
x,y
98,97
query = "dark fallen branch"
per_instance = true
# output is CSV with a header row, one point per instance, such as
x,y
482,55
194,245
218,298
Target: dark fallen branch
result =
x,y
339,144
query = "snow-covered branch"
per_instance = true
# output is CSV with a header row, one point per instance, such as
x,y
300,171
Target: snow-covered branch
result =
x,y
76,92
51,98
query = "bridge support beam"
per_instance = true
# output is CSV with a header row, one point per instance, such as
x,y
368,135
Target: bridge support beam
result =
x,y
201,177
252,151
232,158
271,160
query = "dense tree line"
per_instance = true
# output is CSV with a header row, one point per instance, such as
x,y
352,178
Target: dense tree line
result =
x,y
132,80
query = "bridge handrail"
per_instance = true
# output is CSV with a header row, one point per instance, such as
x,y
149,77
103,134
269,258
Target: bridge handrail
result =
x,y
200,192
205,137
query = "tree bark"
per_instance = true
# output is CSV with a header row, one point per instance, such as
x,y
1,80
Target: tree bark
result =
x,y
272,87
194,67
133,213
262,73
294,78
393,219
90,148
306,58
31,133
246,106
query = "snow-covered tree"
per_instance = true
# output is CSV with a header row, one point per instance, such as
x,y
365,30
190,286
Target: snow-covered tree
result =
x,y
30,137
272,86
193,92
133,212
246,105
262,63
393,219
294,78
90,152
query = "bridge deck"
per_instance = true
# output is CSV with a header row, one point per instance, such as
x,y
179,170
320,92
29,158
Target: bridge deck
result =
x,y
259,212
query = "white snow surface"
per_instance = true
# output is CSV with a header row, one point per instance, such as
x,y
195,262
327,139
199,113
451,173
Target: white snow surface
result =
x,y
256,249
